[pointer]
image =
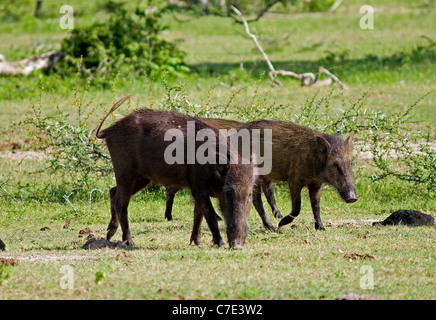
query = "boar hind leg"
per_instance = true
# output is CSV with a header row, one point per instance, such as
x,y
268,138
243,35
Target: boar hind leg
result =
x,y
113,224
257,201
268,190
315,195
296,204
120,198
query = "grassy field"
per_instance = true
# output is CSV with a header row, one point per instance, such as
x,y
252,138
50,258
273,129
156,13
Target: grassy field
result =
x,y
394,61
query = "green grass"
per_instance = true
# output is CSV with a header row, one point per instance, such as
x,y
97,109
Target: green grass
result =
x,y
294,263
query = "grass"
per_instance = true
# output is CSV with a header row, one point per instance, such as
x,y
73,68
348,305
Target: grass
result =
x,y
294,263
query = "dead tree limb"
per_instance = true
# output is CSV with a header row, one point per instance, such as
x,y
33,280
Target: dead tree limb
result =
x,y
30,64
334,6
306,79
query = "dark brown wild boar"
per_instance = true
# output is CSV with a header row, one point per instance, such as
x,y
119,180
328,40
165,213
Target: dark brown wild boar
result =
x,y
267,187
304,157
137,145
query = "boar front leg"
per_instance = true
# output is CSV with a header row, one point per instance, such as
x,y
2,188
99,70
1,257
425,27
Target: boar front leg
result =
x,y
171,192
203,207
296,204
315,195
257,201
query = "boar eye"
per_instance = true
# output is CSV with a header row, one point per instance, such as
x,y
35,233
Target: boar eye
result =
x,y
338,167
229,193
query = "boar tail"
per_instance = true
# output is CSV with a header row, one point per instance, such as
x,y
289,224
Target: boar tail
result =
x,y
114,107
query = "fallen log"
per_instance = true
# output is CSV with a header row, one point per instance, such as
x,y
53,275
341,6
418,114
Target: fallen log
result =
x,y
30,64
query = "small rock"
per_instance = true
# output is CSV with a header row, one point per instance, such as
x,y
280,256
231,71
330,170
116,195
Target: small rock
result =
x,y
407,217
45,228
102,243
2,245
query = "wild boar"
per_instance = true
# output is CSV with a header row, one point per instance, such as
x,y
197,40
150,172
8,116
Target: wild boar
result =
x,y
304,157
138,145
267,187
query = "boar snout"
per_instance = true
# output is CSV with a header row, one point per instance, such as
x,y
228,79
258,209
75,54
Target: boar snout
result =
x,y
237,245
236,235
349,196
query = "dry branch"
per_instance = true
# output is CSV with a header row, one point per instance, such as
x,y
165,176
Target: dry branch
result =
x,y
306,79
30,64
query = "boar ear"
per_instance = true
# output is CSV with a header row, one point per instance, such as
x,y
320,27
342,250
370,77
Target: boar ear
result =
x,y
322,144
221,171
349,141
253,161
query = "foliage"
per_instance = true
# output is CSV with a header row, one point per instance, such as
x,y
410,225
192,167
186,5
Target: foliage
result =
x,y
9,10
69,144
257,7
396,150
128,43
5,273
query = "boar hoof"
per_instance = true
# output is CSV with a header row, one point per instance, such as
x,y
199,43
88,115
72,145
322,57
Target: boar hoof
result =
x,y
319,226
110,233
277,214
218,243
129,243
286,220
196,242
270,227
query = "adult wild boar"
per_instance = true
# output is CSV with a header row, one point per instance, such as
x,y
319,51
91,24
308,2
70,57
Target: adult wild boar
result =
x,y
267,187
304,157
138,144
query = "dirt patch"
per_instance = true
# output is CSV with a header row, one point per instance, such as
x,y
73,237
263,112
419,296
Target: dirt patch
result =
x,y
351,222
367,155
354,296
20,155
47,258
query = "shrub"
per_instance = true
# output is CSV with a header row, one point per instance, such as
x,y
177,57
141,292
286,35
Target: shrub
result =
x,y
128,43
69,145
400,146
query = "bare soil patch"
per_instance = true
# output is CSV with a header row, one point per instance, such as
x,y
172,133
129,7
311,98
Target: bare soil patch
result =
x,y
47,258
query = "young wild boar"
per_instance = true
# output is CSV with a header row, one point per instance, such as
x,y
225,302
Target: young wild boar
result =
x,y
267,187
304,157
138,147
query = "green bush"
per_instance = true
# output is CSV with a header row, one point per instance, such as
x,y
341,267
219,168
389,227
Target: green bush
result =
x,y
69,144
128,43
